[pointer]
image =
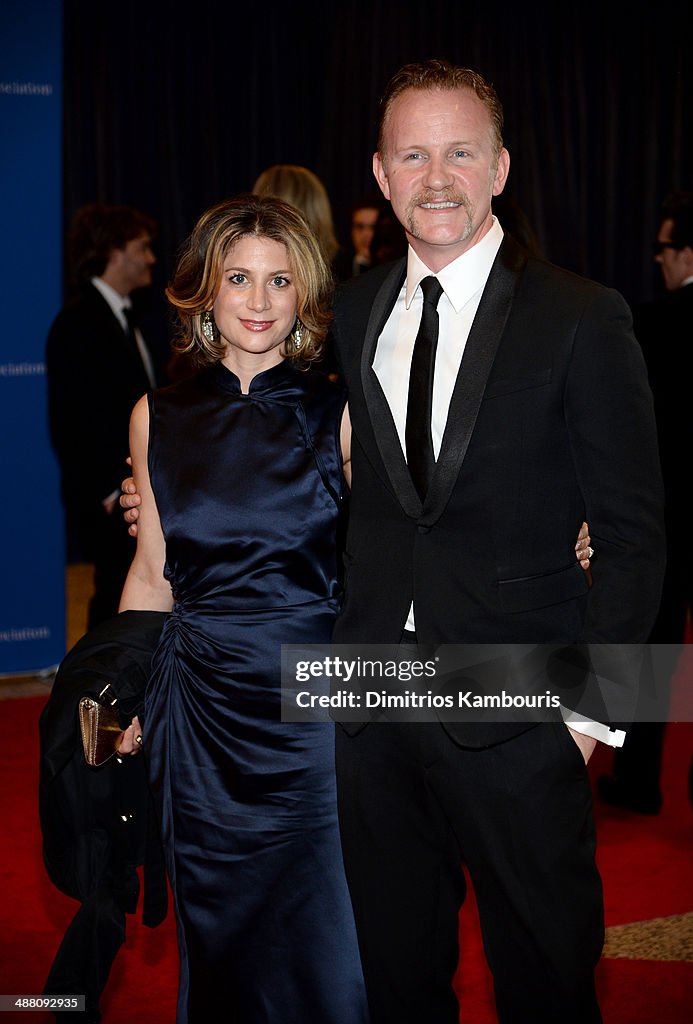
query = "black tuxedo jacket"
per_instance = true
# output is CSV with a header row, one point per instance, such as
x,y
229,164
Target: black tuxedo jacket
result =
x,y
99,824
95,377
80,807
664,329
550,423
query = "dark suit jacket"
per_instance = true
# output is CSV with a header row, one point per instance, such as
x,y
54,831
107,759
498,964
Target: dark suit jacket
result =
x,y
95,377
550,423
99,824
81,809
664,329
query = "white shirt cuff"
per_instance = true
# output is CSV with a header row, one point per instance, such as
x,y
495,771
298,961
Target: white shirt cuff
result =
x,y
597,730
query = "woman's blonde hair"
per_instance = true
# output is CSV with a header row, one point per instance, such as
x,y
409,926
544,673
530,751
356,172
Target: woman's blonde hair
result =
x,y
305,191
197,278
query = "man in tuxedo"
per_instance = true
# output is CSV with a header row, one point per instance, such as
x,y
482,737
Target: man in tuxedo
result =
x,y
540,416
461,530
98,366
664,328
356,258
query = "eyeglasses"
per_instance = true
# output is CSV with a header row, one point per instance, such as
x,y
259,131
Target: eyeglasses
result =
x,y
659,247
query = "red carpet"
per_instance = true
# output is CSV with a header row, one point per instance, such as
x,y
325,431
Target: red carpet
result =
x,y
645,863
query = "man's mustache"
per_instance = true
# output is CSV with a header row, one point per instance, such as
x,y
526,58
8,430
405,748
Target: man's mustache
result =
x,y
444,196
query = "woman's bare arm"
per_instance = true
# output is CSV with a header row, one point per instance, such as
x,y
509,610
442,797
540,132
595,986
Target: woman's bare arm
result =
x,y
145,588
345,441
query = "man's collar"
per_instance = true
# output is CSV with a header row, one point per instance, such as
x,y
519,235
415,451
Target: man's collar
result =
x,y
115,300
462,278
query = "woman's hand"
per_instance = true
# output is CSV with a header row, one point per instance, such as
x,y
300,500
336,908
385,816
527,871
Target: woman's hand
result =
x,y
131,739
583,551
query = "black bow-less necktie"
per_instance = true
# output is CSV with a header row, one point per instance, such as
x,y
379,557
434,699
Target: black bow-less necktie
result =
x,y
130,337
419,441
140,353
130,329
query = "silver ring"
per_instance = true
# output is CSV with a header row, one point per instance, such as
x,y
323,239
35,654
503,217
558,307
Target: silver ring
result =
x,y
590,552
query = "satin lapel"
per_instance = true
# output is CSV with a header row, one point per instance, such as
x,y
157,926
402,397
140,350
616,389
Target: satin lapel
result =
x,y
479,354
384,429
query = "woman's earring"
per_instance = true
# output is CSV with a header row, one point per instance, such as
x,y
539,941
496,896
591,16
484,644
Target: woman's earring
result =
x,y
297,335
209,328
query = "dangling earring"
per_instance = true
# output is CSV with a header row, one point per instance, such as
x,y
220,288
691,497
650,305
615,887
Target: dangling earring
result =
x,y
297,335
209,328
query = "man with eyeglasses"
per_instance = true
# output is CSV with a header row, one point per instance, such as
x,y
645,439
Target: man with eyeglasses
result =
x,y
673,248
663,329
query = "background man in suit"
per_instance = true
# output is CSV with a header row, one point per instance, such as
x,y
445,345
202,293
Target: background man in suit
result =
x,y
664,329
98,366
541,414
356,257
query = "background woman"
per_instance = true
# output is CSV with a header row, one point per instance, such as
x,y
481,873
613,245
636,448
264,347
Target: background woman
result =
x,y
304,190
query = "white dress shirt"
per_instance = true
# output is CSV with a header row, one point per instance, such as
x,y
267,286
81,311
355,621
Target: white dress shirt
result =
x,y
463,283
119,304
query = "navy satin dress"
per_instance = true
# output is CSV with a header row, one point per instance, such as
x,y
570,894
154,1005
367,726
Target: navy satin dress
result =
x,y
248,492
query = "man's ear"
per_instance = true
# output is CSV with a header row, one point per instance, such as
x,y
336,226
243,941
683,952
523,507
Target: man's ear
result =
x,y
502,171
380,175
115,258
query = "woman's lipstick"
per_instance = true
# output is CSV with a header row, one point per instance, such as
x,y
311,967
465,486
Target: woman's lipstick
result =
x,y
257,325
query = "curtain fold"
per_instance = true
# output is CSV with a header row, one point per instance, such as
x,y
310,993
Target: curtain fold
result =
x,y
172,106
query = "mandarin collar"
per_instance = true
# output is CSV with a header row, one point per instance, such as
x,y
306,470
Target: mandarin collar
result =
x,y
282,379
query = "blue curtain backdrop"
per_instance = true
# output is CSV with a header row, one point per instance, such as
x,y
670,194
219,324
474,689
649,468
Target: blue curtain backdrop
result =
x,y
32,581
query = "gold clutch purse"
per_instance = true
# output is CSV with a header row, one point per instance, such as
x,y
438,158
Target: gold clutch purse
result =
x,y
100,726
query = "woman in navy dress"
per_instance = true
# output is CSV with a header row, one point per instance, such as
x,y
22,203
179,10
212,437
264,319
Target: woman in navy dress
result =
x,y
241,469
